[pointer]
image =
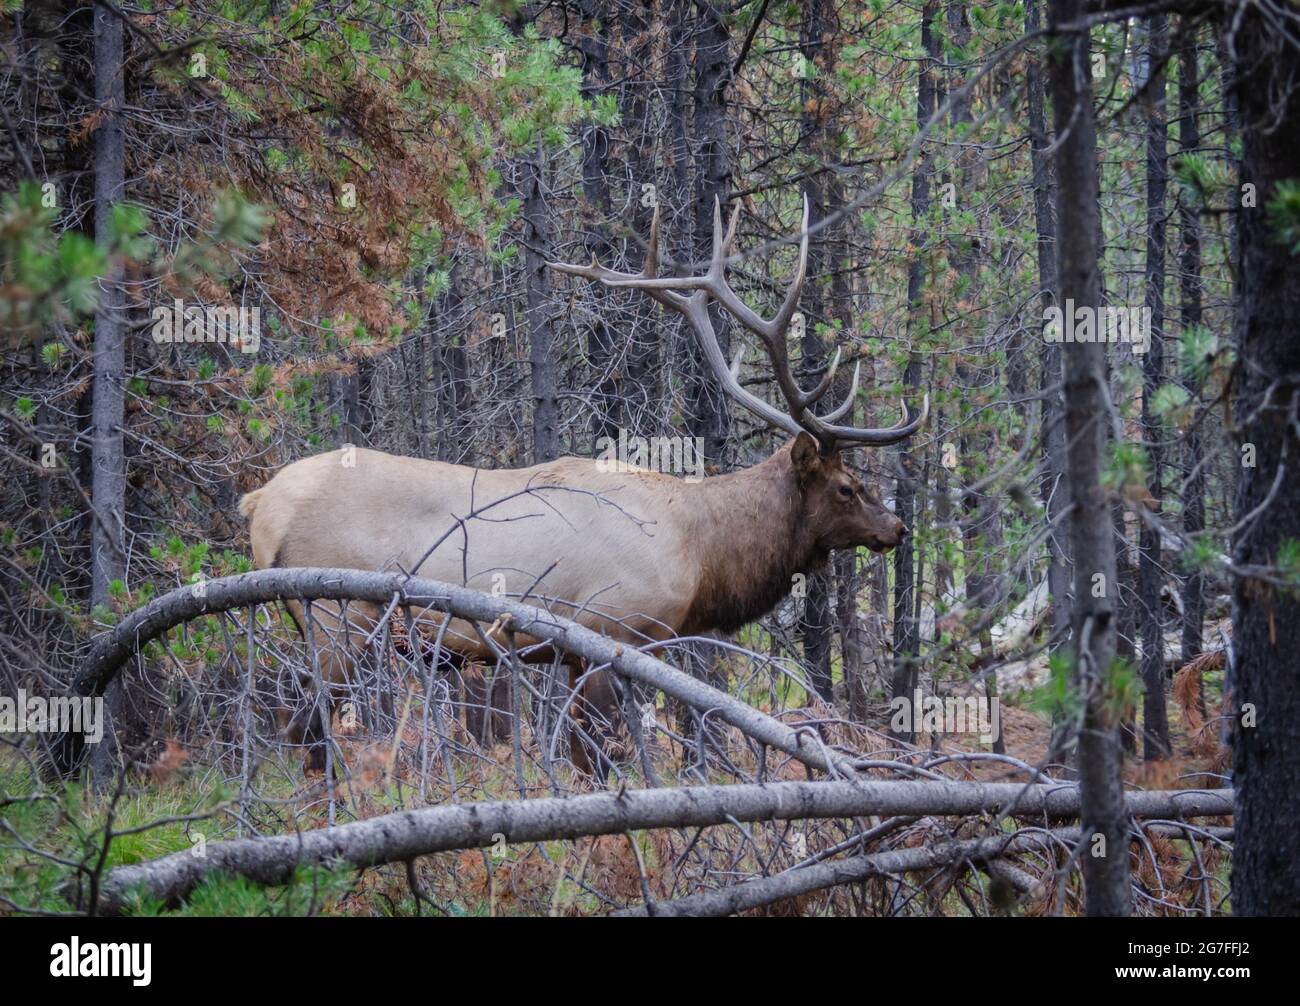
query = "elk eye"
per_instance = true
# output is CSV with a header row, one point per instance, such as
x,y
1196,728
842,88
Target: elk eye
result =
x,y
846,491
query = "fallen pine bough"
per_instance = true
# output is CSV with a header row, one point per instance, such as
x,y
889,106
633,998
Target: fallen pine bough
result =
x,y
401,837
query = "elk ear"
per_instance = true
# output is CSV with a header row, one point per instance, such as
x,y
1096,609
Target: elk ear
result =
x,y
805,458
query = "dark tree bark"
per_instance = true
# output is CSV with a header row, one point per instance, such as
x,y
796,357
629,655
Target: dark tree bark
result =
x,y
1266,616
1190,316
706,404
815,626
1100,758
108,459
1055,487
542,364
906,628
352,398
601,355
1155,722
643,368
415,351
455,390
678,147
108,486
981,525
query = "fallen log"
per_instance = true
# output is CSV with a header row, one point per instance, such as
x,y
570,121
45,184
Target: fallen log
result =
x,y
400,837
985,852
764,891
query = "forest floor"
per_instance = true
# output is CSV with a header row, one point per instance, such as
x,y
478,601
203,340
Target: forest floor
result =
x,y
184,797
1197,758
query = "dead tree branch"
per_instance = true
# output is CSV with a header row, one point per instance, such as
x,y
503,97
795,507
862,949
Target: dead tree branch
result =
x,y
111,650
395,838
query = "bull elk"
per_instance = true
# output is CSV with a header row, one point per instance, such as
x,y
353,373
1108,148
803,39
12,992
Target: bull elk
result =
x,y
635,554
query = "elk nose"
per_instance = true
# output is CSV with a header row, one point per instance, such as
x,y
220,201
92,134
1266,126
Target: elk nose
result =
x,y
902,531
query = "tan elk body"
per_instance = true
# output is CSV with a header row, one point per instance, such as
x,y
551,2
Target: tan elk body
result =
x,y
638,555
634,554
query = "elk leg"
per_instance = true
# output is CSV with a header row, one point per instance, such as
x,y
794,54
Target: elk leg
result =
x,y
474,696
465,678
311,734
592,722
337,638
502,708
487,696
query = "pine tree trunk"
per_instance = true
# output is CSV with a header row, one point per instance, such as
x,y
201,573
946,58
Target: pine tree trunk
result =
x,y
108,487
542,364
108,459
1266,616
709,418
815,627
1104,828
906,634
1155,722
1190,316
601,357
1055,487
642,391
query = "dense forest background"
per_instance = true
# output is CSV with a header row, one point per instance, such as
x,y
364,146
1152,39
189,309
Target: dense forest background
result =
x,y
385,183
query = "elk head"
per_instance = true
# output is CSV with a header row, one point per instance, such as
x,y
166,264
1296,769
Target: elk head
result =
x,y
838,509
835,510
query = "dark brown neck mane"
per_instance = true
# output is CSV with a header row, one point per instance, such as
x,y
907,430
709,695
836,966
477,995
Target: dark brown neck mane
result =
x,y
752,541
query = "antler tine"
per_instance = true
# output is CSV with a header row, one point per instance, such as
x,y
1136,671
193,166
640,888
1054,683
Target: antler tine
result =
x,y
815,395
647,278
729,242
651,268
720,239
784,315
851,436
844,406
736,358
717,285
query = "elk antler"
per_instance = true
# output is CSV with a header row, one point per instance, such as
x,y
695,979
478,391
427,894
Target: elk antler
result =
x,y
772,332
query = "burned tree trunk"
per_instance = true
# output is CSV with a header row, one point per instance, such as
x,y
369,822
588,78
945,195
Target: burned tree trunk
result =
x,y
542,364
642,390
1155,722
594,48
1190,317
1266,616
707,405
